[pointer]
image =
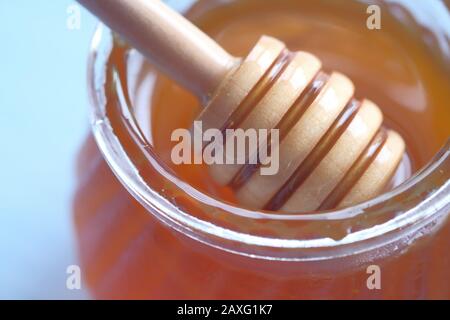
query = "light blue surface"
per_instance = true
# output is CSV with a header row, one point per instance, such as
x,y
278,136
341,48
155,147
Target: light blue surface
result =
x,y
43,114
44,119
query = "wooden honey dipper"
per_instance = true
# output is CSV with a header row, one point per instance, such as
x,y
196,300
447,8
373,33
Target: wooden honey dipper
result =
x,y
333,151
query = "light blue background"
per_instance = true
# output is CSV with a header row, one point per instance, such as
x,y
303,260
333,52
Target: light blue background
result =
x,y
43,120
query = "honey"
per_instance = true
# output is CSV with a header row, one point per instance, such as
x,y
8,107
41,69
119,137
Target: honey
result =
x,y
129,253
389,66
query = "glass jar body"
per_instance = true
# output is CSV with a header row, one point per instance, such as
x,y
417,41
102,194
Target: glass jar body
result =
x,y
130,249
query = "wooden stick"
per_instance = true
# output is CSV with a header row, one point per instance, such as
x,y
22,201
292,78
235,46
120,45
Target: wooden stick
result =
x,y
167,39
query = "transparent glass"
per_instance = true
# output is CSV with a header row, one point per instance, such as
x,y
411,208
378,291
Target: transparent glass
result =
x,y
156,236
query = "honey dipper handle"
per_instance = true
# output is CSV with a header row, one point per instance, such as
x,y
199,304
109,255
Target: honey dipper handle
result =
x,y
167,39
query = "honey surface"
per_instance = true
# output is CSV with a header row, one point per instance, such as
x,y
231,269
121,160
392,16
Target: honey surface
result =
x,y
390,66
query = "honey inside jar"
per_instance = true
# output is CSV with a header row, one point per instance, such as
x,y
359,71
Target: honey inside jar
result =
x,y
127,252
390,66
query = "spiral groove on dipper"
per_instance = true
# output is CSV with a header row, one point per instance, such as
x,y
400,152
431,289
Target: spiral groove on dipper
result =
x,y
317,154
258,92
356,171
333,149
286,123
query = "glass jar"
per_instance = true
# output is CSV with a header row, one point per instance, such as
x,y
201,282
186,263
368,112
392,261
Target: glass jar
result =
x,y
155,235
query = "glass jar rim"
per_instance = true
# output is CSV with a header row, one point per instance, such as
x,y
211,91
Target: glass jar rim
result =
x,y
404,217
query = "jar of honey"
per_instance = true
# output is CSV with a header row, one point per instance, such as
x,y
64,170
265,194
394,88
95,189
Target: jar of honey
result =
x,y
148,228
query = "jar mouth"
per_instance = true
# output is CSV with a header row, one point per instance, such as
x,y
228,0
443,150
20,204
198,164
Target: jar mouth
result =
x,y
391,217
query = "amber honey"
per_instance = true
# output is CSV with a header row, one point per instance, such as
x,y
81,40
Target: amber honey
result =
x,y
127,253
389,66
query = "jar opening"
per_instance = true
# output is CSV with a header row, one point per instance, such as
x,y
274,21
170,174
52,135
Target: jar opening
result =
x,y
128,149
